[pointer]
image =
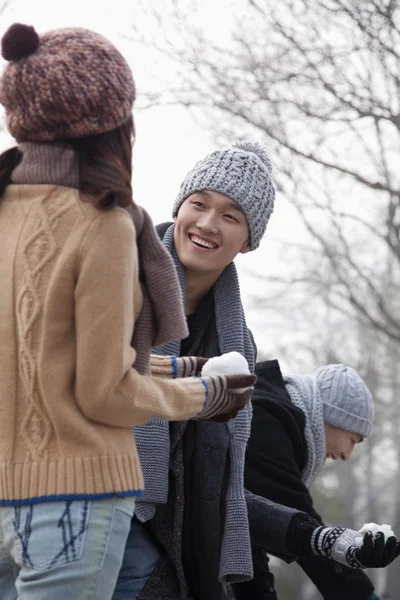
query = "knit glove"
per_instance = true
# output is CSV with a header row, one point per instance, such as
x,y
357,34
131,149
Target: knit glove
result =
x,y
172,367
189,366
225,396
339,544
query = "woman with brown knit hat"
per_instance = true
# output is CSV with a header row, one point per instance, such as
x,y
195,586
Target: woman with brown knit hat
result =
x,y
86,291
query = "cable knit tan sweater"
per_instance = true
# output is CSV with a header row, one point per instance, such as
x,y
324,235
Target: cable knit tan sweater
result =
x,y
69,398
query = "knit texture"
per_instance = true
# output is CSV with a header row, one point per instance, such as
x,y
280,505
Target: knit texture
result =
x,y
76,83
336,543
243,172
347,402
162,316
69,395
305,394
153,439
45,164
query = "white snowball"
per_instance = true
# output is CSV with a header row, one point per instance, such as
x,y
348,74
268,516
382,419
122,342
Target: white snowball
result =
x,y
231,363
374,528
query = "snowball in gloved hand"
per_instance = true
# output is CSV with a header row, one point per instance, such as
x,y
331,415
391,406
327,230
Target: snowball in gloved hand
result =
x,y
374,528
231,363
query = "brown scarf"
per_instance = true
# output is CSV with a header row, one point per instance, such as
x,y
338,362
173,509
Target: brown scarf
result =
x,y
162,317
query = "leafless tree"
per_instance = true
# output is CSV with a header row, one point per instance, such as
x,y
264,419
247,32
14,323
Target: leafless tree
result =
x,y
317,81
3,6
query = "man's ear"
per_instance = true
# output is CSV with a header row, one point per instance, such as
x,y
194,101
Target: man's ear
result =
x,y
246,248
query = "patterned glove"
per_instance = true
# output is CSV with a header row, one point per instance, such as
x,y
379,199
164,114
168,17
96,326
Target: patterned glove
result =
x,y
339,544
189,366
171,367
224,402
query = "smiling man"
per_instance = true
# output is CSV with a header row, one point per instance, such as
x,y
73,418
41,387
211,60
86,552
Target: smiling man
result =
x,y
194,501
210,231
298,423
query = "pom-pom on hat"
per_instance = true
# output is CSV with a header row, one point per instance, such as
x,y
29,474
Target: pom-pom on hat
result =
x,y
243,171
347,402
66,83
19,41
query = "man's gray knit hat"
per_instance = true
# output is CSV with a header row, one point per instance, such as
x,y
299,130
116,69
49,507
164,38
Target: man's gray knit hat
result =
x,y
347,402
243,171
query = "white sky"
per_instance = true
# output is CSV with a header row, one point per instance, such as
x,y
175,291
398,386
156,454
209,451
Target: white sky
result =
x,y
168,142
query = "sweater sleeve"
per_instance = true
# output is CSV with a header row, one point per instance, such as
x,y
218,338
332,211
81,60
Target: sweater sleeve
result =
x,y
164,367
107,388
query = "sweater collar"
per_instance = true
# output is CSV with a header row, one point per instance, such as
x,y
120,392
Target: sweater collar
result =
x,y
47,163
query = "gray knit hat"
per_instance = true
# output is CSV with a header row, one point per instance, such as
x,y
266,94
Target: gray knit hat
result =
x,y
243,171
347,402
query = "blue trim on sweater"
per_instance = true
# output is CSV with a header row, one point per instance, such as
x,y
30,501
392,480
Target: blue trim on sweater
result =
x,y
174,367
205,401
63,497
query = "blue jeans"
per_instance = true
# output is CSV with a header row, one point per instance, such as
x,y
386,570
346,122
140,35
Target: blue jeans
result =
x,y
61,550
142,553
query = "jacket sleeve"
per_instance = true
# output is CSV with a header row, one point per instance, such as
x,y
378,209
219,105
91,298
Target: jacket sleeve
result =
x,y
269,523
272,471
107,388
334,580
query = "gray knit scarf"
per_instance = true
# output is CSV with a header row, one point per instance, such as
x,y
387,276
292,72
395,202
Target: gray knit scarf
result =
x,y
153,439
305,394
162,316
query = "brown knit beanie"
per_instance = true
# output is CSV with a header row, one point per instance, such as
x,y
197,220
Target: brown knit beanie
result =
x,y
66,83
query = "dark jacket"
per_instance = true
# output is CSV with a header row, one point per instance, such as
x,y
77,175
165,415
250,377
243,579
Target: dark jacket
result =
x,y
276,454
190,531
189,526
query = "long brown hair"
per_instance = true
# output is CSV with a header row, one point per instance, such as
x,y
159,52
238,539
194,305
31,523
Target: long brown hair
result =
x,y
105,166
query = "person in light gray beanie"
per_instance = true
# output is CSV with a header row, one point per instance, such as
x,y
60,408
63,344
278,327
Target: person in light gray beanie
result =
x,y
194,513
339,410
347,402
243,171
298,423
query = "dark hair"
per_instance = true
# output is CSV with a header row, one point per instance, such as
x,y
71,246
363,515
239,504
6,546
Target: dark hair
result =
x,y
105,166
8,161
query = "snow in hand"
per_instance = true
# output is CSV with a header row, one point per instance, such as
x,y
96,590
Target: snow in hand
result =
x,y
231,363
374,528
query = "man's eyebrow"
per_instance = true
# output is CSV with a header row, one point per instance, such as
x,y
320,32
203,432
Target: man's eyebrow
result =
x,y
232,205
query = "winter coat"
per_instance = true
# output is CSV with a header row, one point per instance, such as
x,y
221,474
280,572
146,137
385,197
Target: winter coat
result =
x,y
275,457
191,525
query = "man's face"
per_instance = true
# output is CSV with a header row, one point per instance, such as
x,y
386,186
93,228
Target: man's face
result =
x,y
340,442
210,230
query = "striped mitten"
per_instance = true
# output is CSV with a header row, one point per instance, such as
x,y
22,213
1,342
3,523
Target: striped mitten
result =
x,y
223,399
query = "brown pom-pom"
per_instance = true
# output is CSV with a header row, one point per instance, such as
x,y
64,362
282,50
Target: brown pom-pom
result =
x,y
19,41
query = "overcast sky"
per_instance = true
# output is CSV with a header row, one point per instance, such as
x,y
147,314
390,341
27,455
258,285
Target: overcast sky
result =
x,y
168,141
